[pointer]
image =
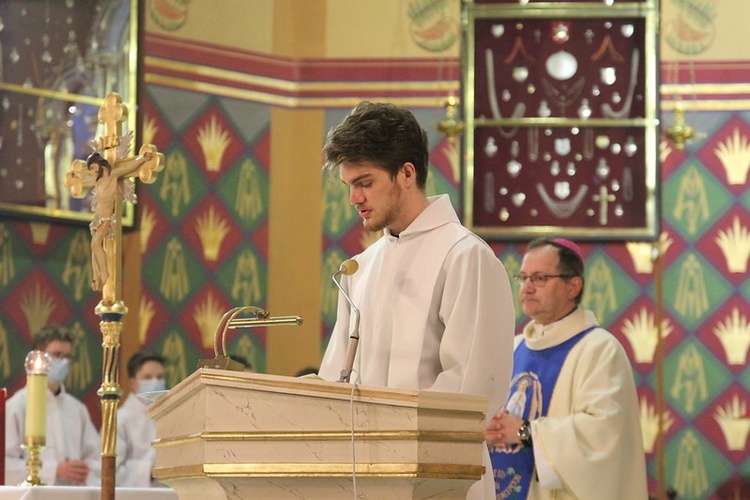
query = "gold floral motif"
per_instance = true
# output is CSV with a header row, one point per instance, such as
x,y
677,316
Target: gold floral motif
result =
x,y
207,315
212,230
148,222
650,424
735,245
146,311
734,335
734,155
37,306
734,423
214,142
642,335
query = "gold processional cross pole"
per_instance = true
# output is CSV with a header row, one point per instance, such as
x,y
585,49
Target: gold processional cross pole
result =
x,y
107,170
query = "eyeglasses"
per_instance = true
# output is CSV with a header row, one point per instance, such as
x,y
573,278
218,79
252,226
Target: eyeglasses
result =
x,y
539,279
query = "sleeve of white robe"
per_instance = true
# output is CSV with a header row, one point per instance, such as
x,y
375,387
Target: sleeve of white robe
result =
x,y
91,447
476,351
133,469
592,430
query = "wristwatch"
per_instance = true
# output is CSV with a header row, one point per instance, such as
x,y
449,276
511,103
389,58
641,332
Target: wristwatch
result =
x,y
524,434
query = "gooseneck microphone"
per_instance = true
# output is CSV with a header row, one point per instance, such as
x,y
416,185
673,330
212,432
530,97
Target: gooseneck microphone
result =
x,y
347,268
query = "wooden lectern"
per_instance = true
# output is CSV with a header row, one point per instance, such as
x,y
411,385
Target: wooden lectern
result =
x,y
239,435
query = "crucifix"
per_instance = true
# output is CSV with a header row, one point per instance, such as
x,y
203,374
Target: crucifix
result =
x,y
604,197
107,170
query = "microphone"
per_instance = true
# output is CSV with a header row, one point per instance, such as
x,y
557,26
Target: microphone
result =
x,y
347,268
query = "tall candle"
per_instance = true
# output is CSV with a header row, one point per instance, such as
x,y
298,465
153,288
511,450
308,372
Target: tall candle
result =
x,y
37,366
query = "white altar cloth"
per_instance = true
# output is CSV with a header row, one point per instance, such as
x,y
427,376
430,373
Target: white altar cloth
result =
x,y
83,493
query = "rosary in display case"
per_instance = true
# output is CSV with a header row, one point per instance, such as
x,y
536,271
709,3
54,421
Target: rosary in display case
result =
x,y
562,132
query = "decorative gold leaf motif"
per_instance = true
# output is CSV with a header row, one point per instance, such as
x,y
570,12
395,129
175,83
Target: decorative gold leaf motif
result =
x,y
81,372
642,335
246,348
735,245
643,252
734,335
212,230
650,424
175,186
734,423
335,204
148,223
690,479
39,232
174,284
37,307
330,292
691,299
149,130
249,204
664,150
173,351
78,273
246,286
600,295
207,316
214,142
146,311
690,380
691,206
734,155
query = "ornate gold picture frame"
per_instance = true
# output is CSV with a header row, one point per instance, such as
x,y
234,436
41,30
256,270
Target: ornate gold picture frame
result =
x,y
58,59
561,102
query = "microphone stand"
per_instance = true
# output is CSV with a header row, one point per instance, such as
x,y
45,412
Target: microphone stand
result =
x,y
347,268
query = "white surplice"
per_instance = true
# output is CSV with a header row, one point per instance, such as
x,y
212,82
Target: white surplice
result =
x,y
436,313
135,455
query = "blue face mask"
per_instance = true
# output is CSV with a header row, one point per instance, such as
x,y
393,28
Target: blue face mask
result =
x,y
151,385
58,370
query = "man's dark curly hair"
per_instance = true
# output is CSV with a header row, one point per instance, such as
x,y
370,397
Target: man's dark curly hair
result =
x,y
382,134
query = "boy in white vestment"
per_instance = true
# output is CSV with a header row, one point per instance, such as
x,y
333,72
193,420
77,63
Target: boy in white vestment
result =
x,y
72,453
135,431
576,432
436,306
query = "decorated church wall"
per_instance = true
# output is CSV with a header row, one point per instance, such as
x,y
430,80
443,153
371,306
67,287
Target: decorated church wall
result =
x,y
203,227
